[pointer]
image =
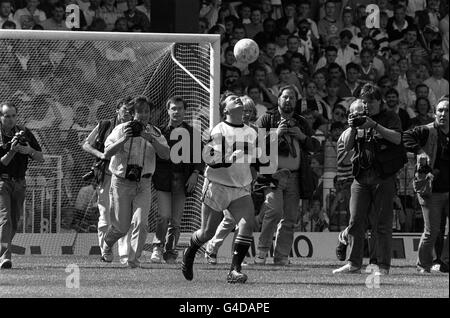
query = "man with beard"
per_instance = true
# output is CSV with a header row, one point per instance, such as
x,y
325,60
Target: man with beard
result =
x,y
392,104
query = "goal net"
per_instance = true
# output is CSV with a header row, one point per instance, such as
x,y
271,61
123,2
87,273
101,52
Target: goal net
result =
x,y
65,82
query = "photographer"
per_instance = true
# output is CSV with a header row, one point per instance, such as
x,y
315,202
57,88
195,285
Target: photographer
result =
x,y
132,148
95,145
375,137
174,182
293,180
431,183
17,144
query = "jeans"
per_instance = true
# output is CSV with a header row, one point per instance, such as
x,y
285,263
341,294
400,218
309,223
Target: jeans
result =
x,y
131,203
279,210
104,220
371,195
12,196
432,209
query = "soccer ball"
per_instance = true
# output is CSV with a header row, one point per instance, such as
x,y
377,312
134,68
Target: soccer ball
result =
x,y
246,51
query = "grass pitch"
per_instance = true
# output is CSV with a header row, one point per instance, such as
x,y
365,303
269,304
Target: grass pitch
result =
x,y
43,276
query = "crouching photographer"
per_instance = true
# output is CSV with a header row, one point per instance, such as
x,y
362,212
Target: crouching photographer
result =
x,y
132,147
375,137
17,145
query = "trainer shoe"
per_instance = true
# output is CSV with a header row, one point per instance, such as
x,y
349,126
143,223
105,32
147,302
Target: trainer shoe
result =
x,y
372,268
347,269
156,255
6,264
211,259
133,264
341,251
108,255
187,266
234,277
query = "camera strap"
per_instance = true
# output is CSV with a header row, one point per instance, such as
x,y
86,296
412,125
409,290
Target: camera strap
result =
x,y
143,156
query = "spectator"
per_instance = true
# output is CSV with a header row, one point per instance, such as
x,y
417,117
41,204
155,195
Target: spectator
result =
x,y
109,13
422,107
289,20
293,44
347,23
380,35
407,95
284,79
281,38
368,72
266,10
370,44
339,114
267,54
145,8
6,14
209,11
397,25
329,26
411,37
245,13
428,15
392,104
256,26
89,10
383,6
299,68
316,219
320,79
267,35
230,76
307,40
351,86
311,101
436,82
260,79
121,25
8,25
330,57
334,71
303,13
423,91
430,34
203,26
98,24
57,20
30,15
229,24
136,17
443,27
346,52
332,98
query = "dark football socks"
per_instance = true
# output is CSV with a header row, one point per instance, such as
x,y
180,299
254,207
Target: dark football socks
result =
x,y
241,245
194,245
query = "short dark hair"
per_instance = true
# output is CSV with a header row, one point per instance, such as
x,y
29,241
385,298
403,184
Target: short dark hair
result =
x,y
331,48
435,42
345,34
370,91
291,87
140,100
8,24
124,100
281,68
391,91
337,125
422,98
422,85
176,99
353,66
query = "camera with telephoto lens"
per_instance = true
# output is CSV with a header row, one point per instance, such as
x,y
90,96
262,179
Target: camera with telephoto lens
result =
x,y
137,127
133,173
359,119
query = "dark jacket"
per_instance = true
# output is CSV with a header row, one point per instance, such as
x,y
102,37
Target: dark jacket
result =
x,y
165,168
307,179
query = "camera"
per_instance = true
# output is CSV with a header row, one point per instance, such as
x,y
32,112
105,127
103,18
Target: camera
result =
x,y
137,127
92,172
359,119
133,173
423,167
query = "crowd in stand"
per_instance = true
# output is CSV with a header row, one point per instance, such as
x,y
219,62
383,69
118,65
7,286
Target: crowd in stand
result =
x,y
327,50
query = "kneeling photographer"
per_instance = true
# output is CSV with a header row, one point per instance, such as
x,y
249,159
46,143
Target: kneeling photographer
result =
x,y
375,137
132,147
17,145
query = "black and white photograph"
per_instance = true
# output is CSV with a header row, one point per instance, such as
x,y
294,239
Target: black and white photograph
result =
x,y
226,157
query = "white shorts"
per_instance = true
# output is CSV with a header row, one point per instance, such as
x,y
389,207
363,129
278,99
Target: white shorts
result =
x,y
219,197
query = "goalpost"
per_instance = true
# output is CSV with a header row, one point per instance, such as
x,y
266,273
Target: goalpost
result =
x,y
65,82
